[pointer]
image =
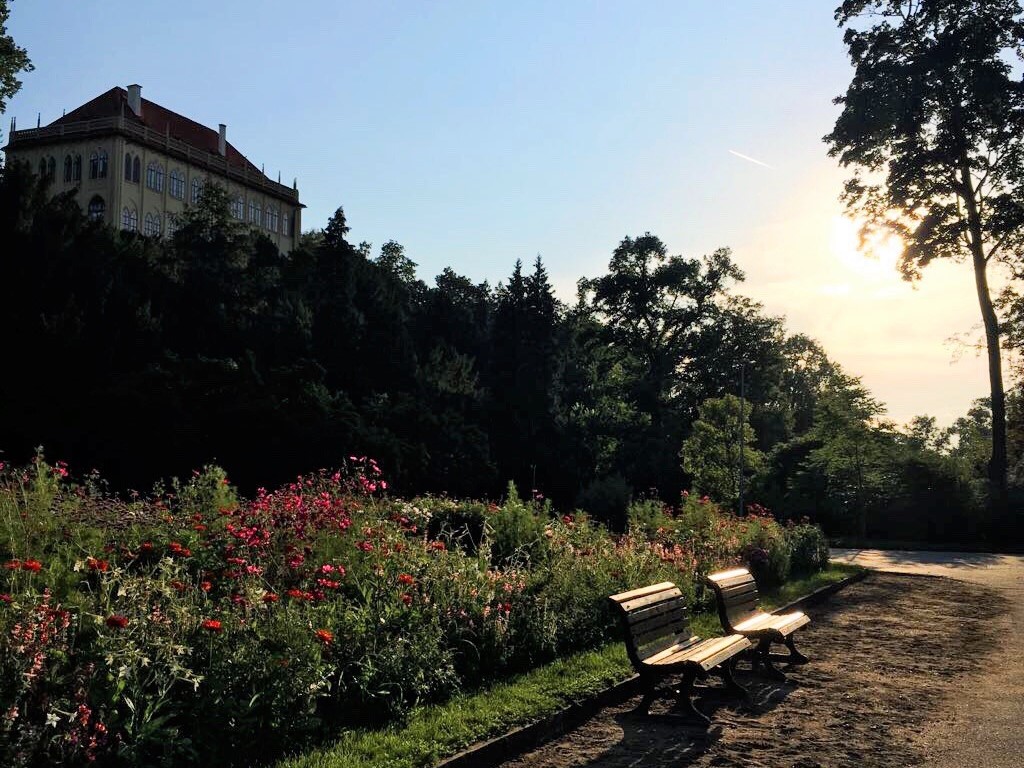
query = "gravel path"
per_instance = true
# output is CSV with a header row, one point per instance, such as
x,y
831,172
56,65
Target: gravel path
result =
x,y
888,656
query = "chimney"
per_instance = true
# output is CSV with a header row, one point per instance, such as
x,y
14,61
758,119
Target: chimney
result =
x,y
135,99
222,141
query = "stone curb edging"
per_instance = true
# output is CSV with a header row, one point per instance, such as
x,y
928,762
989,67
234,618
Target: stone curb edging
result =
x,y
493,752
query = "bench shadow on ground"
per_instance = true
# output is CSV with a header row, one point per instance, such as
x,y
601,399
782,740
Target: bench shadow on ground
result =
x,y
679,741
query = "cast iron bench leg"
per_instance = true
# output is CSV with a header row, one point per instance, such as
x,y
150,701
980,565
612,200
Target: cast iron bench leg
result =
x,y
724,671
764,656
683,701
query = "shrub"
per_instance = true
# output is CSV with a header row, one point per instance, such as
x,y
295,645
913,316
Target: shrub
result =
x,y
809,548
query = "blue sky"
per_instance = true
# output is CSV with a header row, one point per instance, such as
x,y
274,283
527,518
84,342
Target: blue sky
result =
x,y
479,133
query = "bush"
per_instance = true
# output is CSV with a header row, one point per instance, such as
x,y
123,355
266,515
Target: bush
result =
x,y
809,548
195,627
606,499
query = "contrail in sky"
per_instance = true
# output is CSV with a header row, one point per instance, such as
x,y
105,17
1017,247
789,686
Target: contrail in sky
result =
x,y
738,154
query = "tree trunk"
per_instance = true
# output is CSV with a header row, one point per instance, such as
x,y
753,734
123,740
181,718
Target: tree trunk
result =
x,y
997,464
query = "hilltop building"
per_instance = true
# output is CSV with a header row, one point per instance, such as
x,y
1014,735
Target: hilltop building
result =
x,y
136,164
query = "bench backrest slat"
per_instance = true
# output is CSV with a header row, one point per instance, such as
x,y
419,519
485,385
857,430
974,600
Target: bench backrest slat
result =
x,y
654,618
737,597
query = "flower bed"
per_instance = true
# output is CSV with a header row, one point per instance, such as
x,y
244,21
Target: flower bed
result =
x,y
192,626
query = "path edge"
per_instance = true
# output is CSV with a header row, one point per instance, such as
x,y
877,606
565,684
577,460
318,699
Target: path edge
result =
x,y
493,752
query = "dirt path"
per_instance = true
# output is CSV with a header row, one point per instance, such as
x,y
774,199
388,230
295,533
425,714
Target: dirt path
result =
x,y
881,668
979,722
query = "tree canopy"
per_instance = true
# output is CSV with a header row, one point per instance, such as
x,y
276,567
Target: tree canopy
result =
x,y
932,125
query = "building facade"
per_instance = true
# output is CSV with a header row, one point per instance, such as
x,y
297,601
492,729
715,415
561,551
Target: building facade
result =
x,y
136,165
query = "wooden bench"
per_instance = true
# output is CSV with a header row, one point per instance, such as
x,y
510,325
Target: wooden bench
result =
x,y
736,596
660,645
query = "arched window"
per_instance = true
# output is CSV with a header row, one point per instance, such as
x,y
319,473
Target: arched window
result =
x,y
136,167
67,169
286,224
127,166
176,184
152,225
172,224
102,163
76,174
155,176
197,190
42,167
97,208
94,166
238,208
255,213
130,220
51,169
272,218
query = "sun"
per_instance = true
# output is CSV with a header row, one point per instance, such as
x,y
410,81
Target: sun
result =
x,y
873,261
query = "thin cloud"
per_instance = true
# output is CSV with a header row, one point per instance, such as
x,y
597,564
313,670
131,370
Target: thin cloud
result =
x,y
750,159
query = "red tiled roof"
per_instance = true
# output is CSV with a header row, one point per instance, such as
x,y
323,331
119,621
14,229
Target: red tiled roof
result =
x,y
115,102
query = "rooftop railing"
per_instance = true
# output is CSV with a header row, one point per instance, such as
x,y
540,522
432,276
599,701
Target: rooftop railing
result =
x,y
83,129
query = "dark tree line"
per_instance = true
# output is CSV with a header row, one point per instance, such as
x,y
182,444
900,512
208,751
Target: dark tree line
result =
x,y
146,358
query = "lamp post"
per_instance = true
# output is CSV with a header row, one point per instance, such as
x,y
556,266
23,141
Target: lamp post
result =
x,y
741,431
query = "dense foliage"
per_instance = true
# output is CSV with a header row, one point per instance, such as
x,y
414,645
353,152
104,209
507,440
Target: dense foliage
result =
x,y
146,357
197,627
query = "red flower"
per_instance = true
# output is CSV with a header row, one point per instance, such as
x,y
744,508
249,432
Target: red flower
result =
x,y
325,636
199,527
328,584
507,607
117,622
366,546
12,565
296,594
270,597
147,546
6,598
31,565
407,598
438,545
405,578
211,625
206,586
97,565
179,585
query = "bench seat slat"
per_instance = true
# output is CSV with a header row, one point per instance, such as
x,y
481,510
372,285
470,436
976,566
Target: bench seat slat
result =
x,y
708,653
649,612
664,586
653,599
669,624
731,578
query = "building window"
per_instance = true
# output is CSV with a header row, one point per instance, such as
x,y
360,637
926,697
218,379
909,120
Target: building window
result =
x,y
172,224
67,169
136,166
94,165
42,167
101,164
127,166
97,208
76,174
176,184
255,213
272,218
197,190
286,224
130,220
151,227
155,176
238,208
51,169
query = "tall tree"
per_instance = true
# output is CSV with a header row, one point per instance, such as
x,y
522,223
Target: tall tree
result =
x,y
933,126
13,60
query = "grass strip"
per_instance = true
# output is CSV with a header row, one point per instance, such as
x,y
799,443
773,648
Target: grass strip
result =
x,y
438,731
